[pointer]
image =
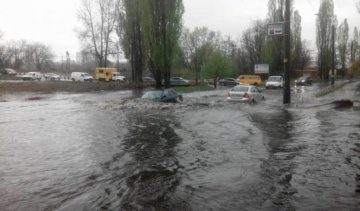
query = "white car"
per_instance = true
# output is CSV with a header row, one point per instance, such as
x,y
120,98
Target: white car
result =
x,y
245,94
117,77
52,76
276,82
81,77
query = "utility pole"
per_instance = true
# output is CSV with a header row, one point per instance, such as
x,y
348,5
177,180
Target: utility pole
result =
x,y
287,35
333,57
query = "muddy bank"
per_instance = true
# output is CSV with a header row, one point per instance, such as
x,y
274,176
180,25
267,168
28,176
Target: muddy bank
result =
x,y
59,86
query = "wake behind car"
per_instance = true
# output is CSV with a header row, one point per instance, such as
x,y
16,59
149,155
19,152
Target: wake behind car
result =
x,y
276,82
163,95
245,94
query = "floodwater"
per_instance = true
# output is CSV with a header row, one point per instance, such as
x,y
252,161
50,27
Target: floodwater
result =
x,y
111,151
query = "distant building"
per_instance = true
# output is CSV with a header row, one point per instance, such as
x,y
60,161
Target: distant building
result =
x,y
311,71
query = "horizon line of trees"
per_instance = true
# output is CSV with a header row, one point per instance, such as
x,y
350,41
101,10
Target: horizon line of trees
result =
x,y
151,36
22,55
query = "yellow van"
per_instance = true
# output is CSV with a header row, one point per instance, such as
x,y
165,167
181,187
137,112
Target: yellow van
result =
x,y
249,79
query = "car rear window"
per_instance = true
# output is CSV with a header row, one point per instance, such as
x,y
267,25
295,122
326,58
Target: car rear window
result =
x,y
240,89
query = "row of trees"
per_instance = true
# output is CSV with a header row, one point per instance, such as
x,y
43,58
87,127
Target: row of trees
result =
x,y
148,32
151,36
338,43
21,54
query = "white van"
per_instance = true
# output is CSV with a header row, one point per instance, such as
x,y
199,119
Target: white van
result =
x,y
81,76
31,76
275,81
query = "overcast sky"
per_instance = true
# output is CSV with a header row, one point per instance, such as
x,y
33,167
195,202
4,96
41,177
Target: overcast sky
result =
x,y
53,22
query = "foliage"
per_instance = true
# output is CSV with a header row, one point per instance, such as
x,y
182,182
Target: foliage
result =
x,y
218,65
129,29
355,69
161,21
196,88
253,41
99,18
342,40
197,44
326,20
354,46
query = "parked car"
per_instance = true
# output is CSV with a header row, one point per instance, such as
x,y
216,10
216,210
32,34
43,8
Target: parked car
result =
x,y
8,71
276,82
249,79
81,76
163,95
245,94
149,81
31,76
228,82
303,81
179,81
52,76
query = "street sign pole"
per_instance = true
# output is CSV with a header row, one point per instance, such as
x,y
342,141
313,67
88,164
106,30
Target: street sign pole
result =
x,y
287,96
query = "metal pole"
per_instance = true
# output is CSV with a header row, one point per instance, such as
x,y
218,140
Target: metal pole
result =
x,y
287,97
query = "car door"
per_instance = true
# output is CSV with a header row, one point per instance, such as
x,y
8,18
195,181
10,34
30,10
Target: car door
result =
x,y
256,93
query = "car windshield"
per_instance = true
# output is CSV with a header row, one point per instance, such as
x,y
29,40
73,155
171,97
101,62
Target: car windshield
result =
x,y
274,78
153,94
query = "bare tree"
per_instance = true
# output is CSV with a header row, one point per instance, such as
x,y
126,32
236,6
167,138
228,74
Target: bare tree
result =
x,y
253,41
41,56
99,18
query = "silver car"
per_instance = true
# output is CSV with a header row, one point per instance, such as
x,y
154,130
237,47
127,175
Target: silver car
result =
x,y
245,94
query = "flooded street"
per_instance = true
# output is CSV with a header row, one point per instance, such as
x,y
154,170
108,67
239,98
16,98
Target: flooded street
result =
x,y
112,151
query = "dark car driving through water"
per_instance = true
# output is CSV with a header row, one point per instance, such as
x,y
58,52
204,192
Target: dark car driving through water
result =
x,y
304,81
163,95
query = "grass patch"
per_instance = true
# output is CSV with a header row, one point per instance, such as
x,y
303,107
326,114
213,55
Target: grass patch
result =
x,y
330,89
198,88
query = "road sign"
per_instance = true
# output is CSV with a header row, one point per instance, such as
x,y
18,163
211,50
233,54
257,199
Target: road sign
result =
x,y
276,29
262,68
